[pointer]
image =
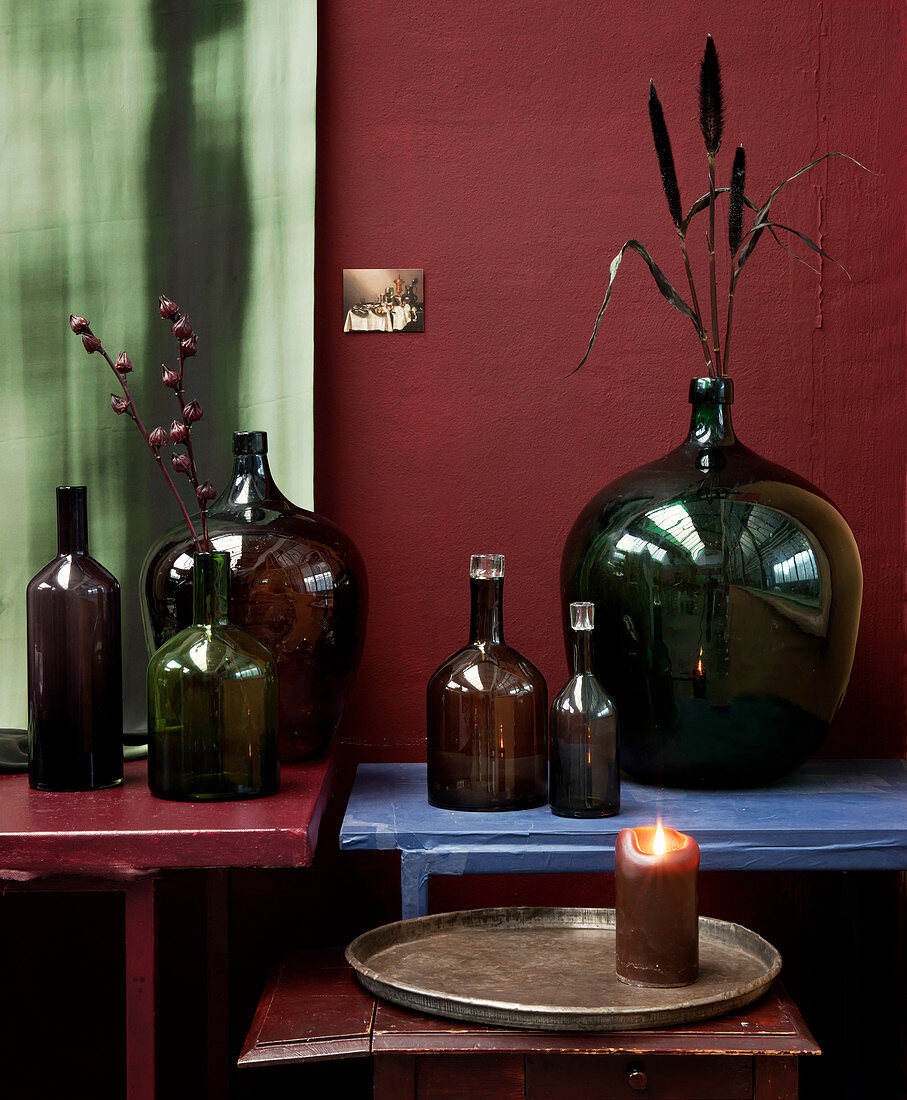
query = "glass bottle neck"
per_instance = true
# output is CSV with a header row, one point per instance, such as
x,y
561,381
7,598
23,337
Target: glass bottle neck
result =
x,y
72,520
582,652
710,424
486,620
211,589
251,481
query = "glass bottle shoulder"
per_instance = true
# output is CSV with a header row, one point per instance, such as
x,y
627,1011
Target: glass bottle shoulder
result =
x,y
488,668
224,651
583,695
73,573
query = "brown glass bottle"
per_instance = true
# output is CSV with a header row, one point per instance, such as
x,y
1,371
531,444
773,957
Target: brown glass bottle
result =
x,y
297,584
75,680
487,713
585,769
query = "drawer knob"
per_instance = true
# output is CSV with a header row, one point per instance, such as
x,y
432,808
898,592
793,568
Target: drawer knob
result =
x,y
636,1078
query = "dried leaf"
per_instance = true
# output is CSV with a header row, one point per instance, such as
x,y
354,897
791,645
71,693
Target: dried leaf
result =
x,y
661,281
761,220
811,244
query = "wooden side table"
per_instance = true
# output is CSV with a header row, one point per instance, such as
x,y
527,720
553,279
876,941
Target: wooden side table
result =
x,y
313,1008
122,839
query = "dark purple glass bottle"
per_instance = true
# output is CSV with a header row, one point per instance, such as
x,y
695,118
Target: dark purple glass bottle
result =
x,y
75,676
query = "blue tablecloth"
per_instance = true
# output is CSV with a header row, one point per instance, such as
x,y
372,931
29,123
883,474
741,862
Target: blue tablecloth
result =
x,y
828,815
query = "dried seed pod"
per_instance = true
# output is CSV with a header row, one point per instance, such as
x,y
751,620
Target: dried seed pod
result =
x,y
189,346
181,463
157,438
123,363
167,308
78,324
178,431
182,329
168,377
193,411
118,404
90,342
206,491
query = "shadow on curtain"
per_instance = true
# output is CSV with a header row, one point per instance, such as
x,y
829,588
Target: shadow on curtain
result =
x,y
148,148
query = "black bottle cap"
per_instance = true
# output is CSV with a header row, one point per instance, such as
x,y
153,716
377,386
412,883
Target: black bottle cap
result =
x,y
250,443
715,391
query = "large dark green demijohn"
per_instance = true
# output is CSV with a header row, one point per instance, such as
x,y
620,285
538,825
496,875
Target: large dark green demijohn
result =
x,y
727,597
212,702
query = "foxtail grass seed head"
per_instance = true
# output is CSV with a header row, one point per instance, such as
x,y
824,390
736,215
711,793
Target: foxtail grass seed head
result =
x,y
665,156
735,208
711,106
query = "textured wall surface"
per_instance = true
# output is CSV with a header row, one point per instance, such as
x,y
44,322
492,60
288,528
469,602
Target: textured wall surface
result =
x,y
512,158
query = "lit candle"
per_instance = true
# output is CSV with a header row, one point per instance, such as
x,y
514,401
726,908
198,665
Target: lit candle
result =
x,y
657,912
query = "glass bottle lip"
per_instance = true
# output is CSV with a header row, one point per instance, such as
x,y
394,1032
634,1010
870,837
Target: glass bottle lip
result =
x,y
486,567
713,391
582,615
250,443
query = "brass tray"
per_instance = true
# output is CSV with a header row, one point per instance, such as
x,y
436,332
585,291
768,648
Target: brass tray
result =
x,y
550,969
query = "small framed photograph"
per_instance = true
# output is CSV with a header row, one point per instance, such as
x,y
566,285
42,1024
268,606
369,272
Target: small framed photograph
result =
x,y
383,299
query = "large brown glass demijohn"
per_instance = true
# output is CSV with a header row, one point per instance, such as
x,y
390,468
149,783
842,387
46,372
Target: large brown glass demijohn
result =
x,y
297,584
75,676
487,713
727,598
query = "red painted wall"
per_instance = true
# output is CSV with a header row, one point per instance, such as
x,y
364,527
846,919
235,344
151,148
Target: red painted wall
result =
x,y
510,157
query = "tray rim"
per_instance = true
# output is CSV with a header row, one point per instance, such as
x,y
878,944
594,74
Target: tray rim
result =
x,y
555,1017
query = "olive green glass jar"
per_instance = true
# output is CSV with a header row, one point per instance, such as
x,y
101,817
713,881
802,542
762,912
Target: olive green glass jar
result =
x,y
212,702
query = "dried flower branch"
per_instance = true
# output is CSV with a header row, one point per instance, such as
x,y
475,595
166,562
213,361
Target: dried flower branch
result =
x,y
740,244
180,430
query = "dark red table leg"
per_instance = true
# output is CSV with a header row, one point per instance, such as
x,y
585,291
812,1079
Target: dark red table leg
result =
x,y
217,930
394,1077
141,954
775,1078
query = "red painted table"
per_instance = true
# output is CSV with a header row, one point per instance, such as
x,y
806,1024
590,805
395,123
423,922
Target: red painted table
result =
x,y
313,1009
120,839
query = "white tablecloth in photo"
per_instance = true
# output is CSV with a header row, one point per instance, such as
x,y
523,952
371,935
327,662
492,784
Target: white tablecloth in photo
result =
x,y
394,321
372,322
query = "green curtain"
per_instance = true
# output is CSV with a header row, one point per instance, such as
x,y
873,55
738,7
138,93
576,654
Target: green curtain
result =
x,y
147,148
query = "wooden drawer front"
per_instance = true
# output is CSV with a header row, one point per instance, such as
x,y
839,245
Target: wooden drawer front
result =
x,y
658,1077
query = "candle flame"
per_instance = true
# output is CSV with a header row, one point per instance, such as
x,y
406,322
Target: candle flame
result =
x,y
699,663
658,845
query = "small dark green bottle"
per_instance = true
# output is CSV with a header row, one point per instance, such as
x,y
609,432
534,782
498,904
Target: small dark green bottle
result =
x,y
212,702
